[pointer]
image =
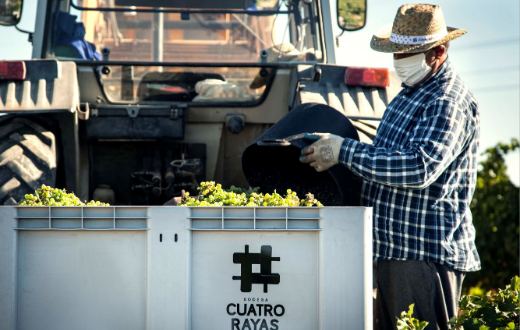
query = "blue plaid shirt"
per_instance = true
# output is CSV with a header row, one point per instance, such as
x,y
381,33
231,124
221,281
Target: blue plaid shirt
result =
x,y
420,173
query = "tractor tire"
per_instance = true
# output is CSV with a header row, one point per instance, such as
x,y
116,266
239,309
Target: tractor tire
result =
x,y
27,158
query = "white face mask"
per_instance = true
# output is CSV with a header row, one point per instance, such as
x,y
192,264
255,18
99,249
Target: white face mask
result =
x,y
412,69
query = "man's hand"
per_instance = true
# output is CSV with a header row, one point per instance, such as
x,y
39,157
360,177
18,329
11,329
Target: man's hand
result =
x,y
324,153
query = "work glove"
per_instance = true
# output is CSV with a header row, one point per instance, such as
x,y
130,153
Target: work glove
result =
x,y
324,153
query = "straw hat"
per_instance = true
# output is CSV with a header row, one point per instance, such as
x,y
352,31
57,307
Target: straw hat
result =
x,y
416,28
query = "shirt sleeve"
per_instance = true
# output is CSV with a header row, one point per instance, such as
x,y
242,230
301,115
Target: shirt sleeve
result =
x,y
438,138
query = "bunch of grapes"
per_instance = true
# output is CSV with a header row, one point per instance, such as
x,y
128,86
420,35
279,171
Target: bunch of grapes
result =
x,y
310,201
48,196
212,194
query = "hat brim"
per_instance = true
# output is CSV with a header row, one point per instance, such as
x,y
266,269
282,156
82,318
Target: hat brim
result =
x,y
382,43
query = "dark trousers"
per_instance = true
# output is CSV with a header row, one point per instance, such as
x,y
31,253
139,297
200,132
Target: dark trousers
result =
x,y
433,288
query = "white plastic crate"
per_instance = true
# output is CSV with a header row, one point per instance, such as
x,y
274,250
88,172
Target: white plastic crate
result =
x,y
185,268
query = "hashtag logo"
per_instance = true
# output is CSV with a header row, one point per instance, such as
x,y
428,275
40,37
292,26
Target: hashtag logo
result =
x,y
247,260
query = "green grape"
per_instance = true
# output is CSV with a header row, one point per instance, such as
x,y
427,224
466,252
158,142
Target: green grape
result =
x,y
310,201
212,194
48,196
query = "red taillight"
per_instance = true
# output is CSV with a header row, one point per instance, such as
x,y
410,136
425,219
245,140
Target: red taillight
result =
x,y
174,90
372,77
12,70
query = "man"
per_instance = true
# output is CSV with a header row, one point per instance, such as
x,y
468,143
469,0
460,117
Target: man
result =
x,y
419,173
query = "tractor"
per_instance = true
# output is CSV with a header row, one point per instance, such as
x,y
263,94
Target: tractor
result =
x,y
132,102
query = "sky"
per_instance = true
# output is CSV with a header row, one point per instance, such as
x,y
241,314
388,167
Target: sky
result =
x,y
487,57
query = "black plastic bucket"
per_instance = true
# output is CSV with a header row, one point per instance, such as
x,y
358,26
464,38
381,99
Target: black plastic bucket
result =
x,y
272,163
